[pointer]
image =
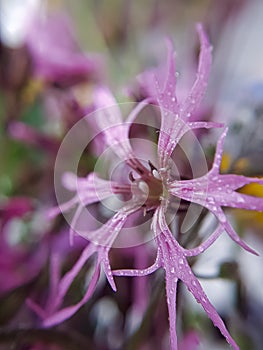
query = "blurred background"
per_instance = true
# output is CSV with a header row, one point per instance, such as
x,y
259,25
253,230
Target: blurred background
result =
x,y
52,55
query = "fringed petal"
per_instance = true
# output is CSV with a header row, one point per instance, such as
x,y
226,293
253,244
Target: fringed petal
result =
x,y
175,119
63,314
198,89
176,267
140,272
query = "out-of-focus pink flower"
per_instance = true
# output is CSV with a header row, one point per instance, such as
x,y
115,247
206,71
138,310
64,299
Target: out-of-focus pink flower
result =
x,y
56,57
19,261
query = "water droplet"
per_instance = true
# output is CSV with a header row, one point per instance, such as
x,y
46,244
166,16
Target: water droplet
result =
x,y
156,174
240,199
222,217
172,270
181,261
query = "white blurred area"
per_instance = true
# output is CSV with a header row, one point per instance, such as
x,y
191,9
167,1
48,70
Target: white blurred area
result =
x,y
15,16
222,292
238,57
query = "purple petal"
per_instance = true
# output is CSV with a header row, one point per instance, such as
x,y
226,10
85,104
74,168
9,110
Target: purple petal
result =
x,y
206,244
171,286
198,90
231,232
67,312
166,96
140,272
196,289
69,277
107,233
175,120
177,267
235,182
109,120
107,270
53,34
89,190
171,289
210,195
219,152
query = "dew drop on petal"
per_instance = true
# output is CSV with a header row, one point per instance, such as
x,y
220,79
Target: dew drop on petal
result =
x,y
221,217
240,199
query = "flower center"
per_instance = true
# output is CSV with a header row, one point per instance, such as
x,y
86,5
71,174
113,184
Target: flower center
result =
x,y
148,187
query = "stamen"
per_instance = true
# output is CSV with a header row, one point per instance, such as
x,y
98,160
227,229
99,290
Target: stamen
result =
x,y
139,170
152,166
156,174
132,179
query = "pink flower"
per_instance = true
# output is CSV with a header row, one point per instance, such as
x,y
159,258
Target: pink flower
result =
x,y
56,56
153,189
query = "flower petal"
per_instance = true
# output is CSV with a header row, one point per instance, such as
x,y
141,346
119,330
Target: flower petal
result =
x,y
67,312
89,190
177,267
215,190
166,96
206,244
198,89
70,276
175,121
140,272
109,120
